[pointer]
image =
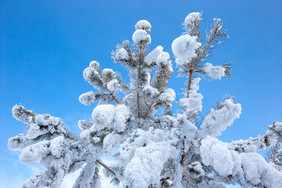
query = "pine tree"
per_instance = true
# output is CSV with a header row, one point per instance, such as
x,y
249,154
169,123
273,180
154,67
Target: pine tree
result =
x,y
156,148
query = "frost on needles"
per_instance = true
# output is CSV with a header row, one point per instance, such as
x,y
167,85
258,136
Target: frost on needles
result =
x,y
156,148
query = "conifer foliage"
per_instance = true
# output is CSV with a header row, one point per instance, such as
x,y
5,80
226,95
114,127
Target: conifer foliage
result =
x,y
155,148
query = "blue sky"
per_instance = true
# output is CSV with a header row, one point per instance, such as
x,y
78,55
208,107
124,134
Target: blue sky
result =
x,y
46,45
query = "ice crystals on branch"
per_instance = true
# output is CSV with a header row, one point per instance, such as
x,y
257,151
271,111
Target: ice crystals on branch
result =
x,y
194,17
121,55
88,98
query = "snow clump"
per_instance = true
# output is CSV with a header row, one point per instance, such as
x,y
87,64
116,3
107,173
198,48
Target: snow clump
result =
x,y
121,54
140,36
184,48
214,72
153,55
144,25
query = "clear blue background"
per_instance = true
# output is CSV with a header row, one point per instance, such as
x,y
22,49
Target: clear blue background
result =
x,y
46,45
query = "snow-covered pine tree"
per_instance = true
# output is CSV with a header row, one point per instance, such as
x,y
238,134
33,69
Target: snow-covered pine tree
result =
x,y
156,149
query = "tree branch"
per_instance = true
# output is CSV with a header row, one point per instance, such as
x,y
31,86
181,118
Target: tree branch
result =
x,y
112,94
101,163
189,82
106,167
183,155
205,51
149,110
138,77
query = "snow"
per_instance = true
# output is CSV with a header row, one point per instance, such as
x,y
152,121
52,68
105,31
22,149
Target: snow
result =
x,y
94,65
122,114
146,155
87,177
249,167
87,98
113,85
150,91
58,146
35,152
34,130
43,123
259,172
196,169
214,72
167,98
70,178
18,142
164,63
189,128
193,104
168,122
191,18
121,54
212,184
141,36
88,73
83,125
164,58
46,119
171,92
270,138
142,138
217,120
153,55
85,135
103,115
110,142
21,114
127,148
144,25
277,126
151,147
32,182
184,48
178,177
216,154
255,144
181,62
145,167
108,75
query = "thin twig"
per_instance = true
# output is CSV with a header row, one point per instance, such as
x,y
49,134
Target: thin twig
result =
x,y
149,110
106,167
112,94
163,181
205,51
191,70
101,163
